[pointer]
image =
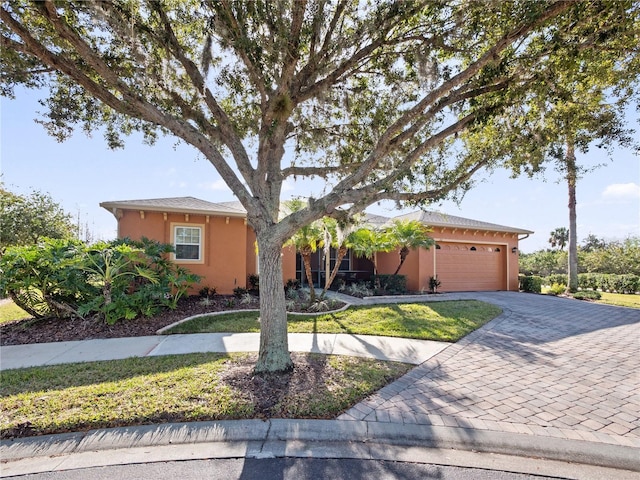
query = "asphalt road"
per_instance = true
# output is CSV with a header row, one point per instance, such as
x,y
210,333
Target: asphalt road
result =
x,y
282,469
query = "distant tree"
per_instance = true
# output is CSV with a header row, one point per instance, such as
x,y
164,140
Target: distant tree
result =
x,y
558,238
592,242
372,97
25,219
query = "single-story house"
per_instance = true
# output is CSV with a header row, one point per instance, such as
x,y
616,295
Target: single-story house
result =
x,y
214,241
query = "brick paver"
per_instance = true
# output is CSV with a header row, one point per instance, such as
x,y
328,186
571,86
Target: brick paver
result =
x,y
547,366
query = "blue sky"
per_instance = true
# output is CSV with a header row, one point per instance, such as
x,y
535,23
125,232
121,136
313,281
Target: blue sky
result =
x,y
82,172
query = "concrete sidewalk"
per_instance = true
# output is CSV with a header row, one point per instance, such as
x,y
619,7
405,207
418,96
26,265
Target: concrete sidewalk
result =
x,y
385,348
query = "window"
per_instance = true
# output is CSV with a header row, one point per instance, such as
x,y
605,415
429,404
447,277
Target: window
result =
x,y
188,243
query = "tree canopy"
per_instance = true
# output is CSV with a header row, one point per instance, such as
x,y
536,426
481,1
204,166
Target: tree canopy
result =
x,y
25,219
375,98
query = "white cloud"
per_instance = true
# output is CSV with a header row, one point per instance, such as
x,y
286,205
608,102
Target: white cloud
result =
x,y
622,191
218,185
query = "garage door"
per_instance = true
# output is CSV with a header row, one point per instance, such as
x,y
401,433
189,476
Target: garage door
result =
x,y
471,267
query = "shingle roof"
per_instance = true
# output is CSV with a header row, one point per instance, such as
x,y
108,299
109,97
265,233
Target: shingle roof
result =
x,y
179,205
436,219
235,208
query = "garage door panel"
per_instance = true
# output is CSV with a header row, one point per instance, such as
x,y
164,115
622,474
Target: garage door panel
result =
x,y
461,268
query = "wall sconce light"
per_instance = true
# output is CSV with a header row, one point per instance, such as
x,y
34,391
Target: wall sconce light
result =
x,y
514,250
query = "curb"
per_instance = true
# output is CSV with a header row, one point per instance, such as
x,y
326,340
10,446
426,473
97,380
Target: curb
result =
x,y
283,438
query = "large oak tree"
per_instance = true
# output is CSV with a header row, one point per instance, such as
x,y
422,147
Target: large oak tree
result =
x,y
369,96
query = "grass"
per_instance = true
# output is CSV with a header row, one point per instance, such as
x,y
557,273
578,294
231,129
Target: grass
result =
x,y
444,321
9,311
619,299
177,388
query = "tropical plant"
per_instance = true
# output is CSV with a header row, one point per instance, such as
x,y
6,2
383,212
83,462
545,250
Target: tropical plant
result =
x,y
46,279
306,241
409,235
114,269
337,235
367,242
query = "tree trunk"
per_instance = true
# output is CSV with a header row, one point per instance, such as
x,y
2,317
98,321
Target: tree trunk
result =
x,y
342,252
572,272
273,356
404,251
306,260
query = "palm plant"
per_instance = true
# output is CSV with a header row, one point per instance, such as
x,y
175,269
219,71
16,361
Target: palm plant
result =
x,y
306,241
409,235
367,242
559,238
337,235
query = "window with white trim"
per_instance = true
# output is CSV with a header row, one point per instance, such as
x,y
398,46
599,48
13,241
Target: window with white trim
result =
x,y
188,243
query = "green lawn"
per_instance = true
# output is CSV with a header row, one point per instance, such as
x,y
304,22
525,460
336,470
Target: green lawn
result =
x,y
181,388
620,299
445,321
10,311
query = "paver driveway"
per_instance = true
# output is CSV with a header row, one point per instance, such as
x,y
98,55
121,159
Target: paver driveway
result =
x,y
547,366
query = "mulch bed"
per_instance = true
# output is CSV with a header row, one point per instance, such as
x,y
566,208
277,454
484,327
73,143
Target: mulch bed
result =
x,y
26,331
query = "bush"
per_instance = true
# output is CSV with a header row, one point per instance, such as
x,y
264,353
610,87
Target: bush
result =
x,y
557,278
253,281
557,289
240,292
628,283
360,290
292,284
531,283
47,279
587,295
207,292
390,284
117,280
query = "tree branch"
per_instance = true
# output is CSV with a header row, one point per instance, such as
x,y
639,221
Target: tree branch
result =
x,y
229,135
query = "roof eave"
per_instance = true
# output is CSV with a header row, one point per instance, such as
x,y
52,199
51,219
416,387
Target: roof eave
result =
x,y
111,206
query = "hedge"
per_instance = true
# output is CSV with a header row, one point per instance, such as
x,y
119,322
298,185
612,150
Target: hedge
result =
x,y
531,283
390,284
607,282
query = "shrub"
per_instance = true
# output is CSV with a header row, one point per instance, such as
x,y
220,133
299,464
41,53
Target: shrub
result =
x,y
587,295
557,278
531,283
434,284
239,292
360,290
207,292
390,284
47,279
253,281
557,289
292,283
629,283
117,280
